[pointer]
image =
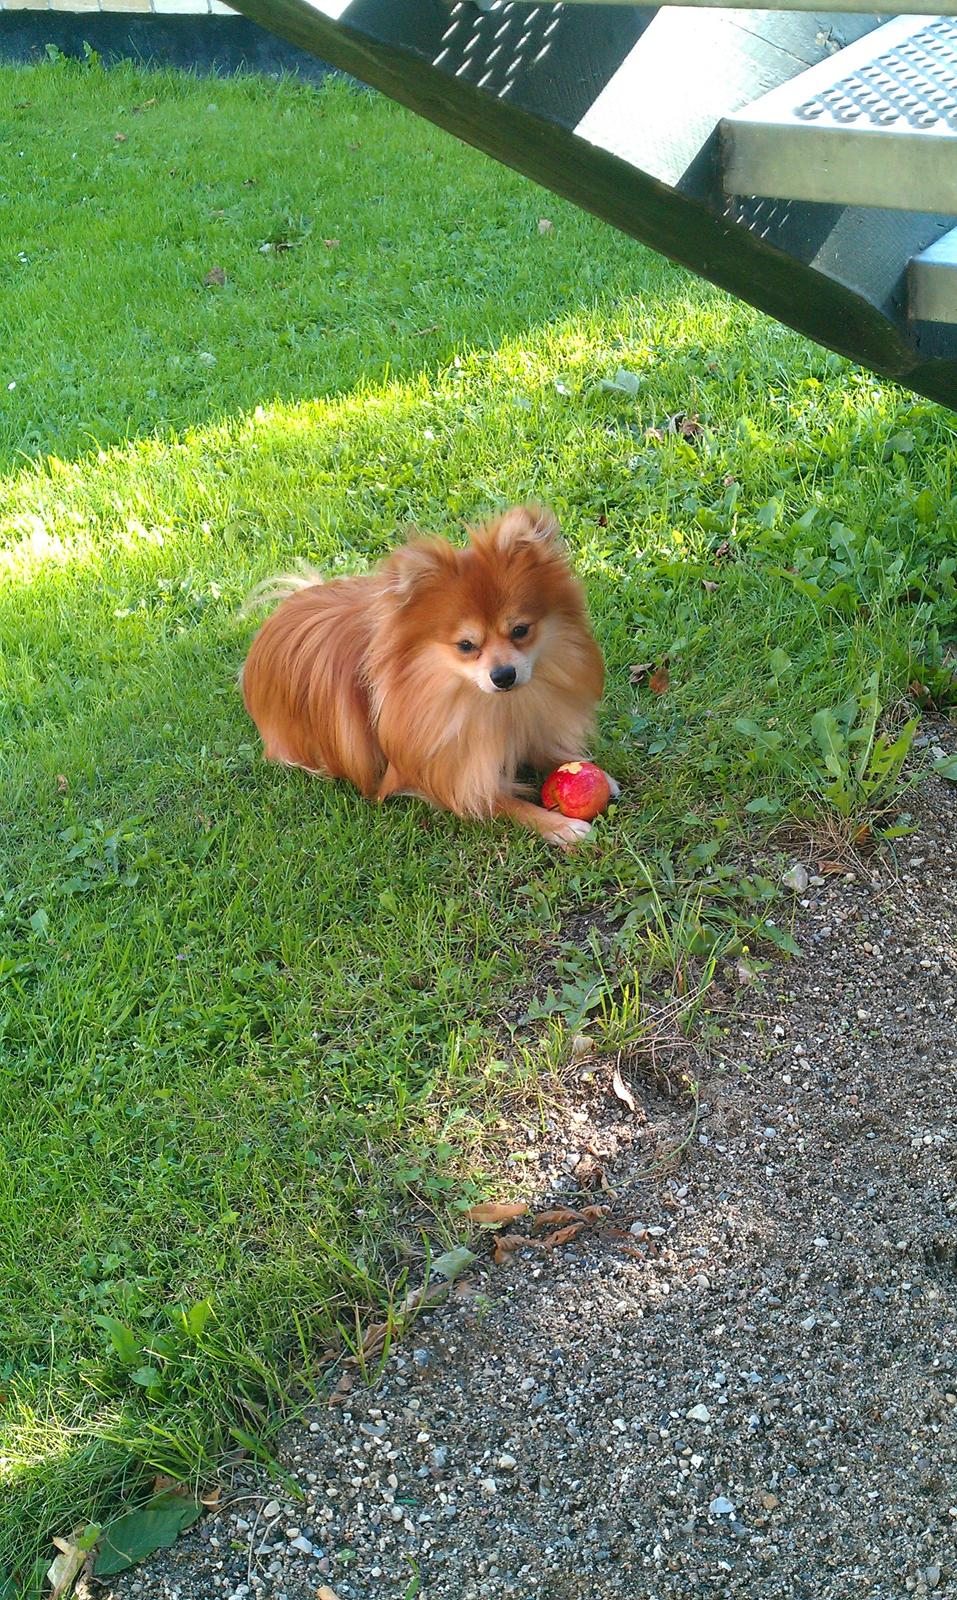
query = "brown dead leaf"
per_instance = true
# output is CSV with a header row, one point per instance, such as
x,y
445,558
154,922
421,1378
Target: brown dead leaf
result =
x,y
828,868
621,1090
595,1213
768,1500
919,691
215,276
655,435
490,1213
375,1338
431,1294
549,1219
325,1593
723,551
507,1243
607,1187
331,244
686,425
145,105
545,226
707,584
342,1390
119,138
163,1483
640,671
633,1250
563,1235
659,680
62,782
588,1171
212,1497
864,839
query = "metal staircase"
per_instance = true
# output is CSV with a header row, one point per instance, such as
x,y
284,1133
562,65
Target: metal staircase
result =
x,y
806,161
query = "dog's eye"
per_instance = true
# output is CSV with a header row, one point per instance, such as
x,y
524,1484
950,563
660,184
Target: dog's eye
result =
x,y
466,647
520,630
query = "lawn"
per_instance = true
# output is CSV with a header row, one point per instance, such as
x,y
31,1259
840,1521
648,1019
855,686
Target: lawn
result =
x,y
249,1025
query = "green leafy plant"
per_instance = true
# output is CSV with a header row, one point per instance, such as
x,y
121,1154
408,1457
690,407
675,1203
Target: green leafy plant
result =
x,y
862,767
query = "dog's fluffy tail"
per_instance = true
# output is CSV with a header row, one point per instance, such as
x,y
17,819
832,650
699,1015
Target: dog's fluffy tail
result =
x,y
272,590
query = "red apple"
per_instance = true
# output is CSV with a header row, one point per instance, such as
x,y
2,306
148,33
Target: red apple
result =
x,y
576,789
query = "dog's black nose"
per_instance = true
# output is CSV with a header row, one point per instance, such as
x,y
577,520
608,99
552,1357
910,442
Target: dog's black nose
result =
x,y
502,677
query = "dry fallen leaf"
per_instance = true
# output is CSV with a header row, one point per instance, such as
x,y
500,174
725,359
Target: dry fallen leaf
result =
x,y
563,1235
723,551
594,1213
588,1171
331,244
216,276
548,1219
684,425
119,138
64,1568
826,868
622,1091
768,1500
62,782
491,1213
507,1243
342,1389
659,680
145,105
212,1497
162,1482
655,434
545,226
375,1338
640,671
707,584
325,1593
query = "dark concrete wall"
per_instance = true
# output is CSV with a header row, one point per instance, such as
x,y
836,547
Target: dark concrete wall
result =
x,y
203,44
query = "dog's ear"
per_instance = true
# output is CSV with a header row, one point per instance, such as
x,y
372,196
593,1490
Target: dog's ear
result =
x,y
526,525
415,565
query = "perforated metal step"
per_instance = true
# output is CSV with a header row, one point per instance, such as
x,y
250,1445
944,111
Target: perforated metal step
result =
x,y
912,8
875,125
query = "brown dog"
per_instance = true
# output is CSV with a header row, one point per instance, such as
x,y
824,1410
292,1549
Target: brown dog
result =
x,y
438,674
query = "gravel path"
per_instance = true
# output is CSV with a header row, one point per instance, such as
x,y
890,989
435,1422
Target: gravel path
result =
x,y
744,1383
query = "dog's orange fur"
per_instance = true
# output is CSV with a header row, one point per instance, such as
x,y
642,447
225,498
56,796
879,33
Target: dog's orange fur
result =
x,y
366,678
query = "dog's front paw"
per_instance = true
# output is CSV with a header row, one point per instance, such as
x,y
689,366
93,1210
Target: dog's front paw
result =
x,y
566,832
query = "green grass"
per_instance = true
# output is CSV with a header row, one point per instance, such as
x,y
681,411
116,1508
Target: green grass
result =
x,y
249,1026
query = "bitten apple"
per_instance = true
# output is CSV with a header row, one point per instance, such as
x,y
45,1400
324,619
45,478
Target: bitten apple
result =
x,y
576,789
